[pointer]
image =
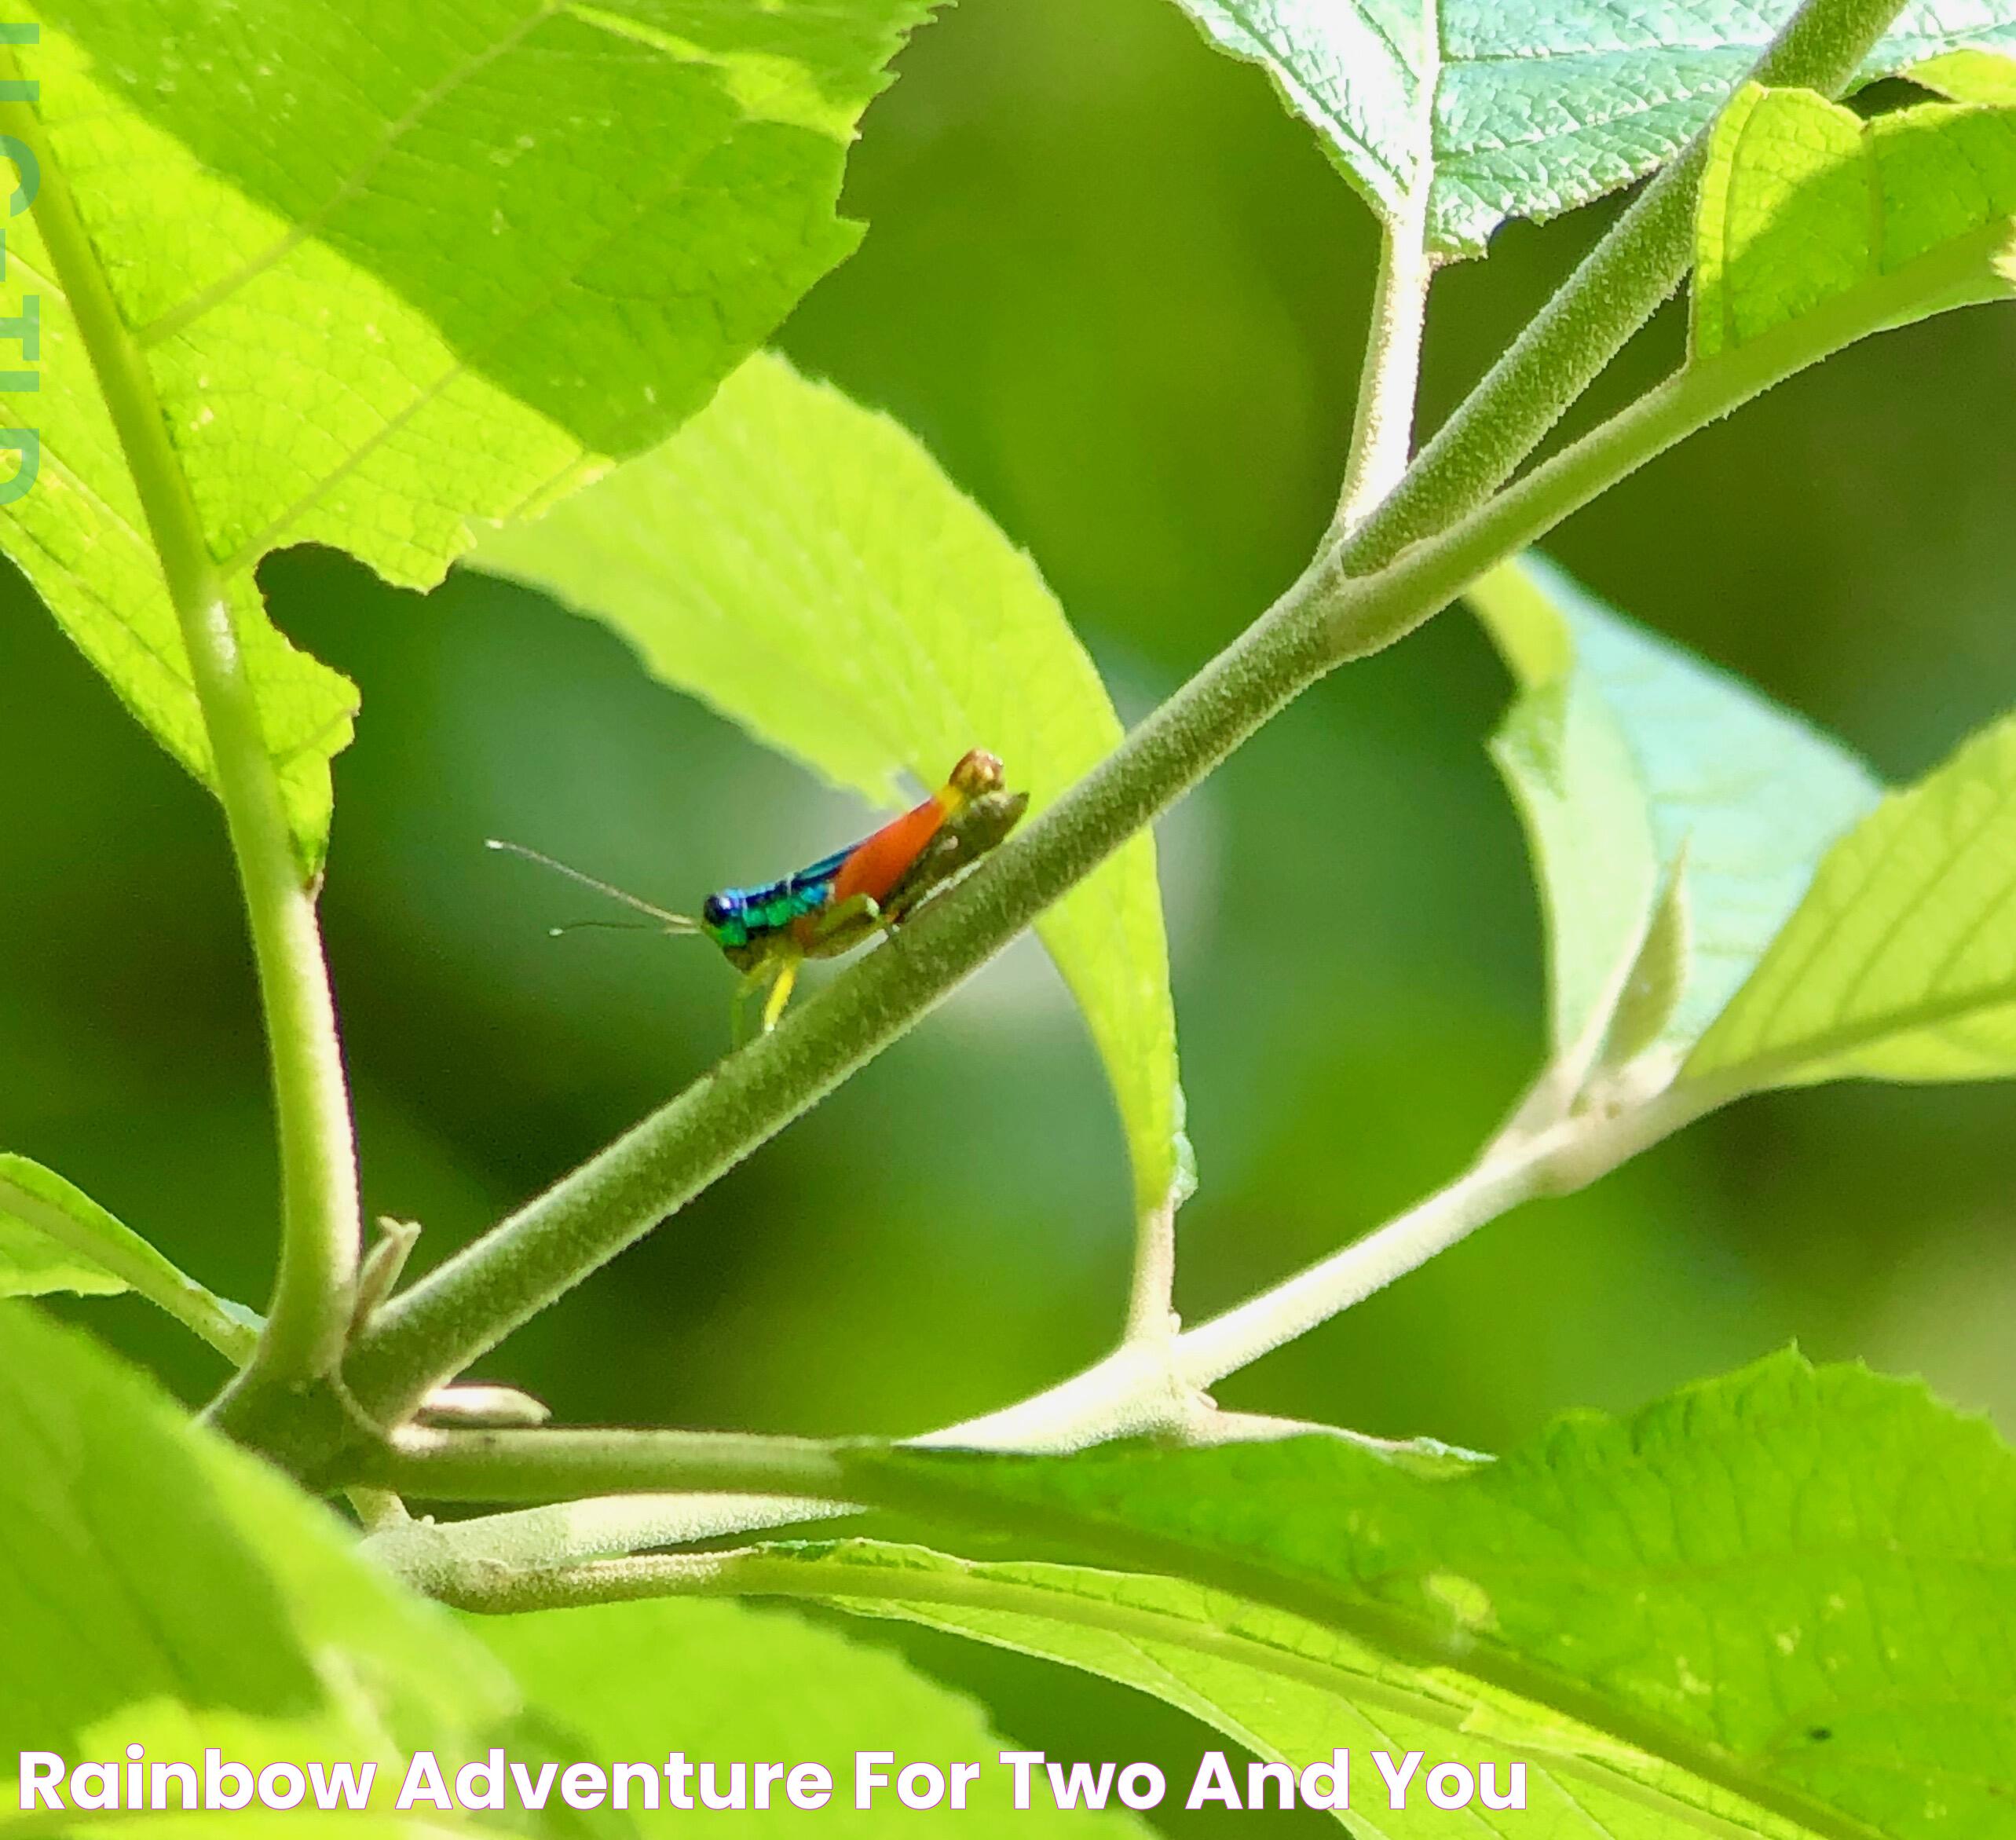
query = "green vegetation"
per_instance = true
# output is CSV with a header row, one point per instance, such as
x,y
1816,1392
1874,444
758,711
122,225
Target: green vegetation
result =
x,y
494,288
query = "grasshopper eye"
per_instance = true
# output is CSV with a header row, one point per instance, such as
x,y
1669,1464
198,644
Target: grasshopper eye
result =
x,y
716,911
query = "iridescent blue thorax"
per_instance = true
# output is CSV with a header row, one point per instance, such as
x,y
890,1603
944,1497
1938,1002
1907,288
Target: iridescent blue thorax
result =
x,y
737,919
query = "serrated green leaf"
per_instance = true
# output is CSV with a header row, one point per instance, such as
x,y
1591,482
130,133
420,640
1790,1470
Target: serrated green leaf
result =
x,y
370,271
802,565
1623,750
1797,1586
158,1586
1286,1688
1900,963
613,1679
1806,208
1526,108
54,1237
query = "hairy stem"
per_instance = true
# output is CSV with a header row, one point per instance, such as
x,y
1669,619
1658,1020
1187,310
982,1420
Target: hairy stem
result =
x,y
1151,1295
469,1304
1567,1156
310,1314
1382,428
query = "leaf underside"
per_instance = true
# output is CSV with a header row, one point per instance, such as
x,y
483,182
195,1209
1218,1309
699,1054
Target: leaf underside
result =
x,y
1622,752
1900,963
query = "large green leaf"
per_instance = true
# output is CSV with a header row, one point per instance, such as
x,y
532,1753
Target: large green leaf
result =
x,y
1797,1586
1526,108
1900,963
158,1586
1621,752
1284,1688
802,565
615,1680
355,274
54,1237
1809,214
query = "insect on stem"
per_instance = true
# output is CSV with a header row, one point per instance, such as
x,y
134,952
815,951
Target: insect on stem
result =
x,y
841,901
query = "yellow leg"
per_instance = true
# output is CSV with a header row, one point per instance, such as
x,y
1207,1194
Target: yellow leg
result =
x,y
780,991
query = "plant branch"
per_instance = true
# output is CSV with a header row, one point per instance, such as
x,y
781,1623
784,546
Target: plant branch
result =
x,y
555,1465
1382,426
469,1304
310,1314
1151,1292
1564,1158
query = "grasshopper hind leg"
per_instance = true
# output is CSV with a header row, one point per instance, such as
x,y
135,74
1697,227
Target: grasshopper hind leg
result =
x,y
772,978
780,990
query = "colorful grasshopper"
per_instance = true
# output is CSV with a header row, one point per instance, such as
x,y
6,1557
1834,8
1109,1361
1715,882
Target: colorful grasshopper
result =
x,y
838,902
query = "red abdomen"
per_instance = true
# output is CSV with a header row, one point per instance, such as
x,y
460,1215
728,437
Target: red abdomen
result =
x,y
878,861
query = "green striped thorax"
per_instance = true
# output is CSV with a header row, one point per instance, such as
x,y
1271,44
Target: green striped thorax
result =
x,y
739,921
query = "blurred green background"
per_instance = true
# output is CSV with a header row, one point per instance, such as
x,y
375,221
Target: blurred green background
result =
x,y
1122,296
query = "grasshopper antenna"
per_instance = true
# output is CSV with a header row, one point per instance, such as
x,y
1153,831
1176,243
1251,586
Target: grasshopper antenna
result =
x,y
672,923
595,926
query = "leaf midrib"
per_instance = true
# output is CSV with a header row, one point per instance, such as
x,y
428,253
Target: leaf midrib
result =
x,y
1387,1628
971,1588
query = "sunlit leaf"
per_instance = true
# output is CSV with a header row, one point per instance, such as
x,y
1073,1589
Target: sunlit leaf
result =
x,y
54,1237
355,274
802,565
1810,213
1968,76
1526,108
1622,752
1900,963
159,1587
613,1680
1795,1586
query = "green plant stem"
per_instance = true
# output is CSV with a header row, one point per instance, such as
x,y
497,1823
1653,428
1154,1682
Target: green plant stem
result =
x,y
471,1302
1382,426
1133,1393
1617,288
1151,1291
1566,1157
554,1465
303,1337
